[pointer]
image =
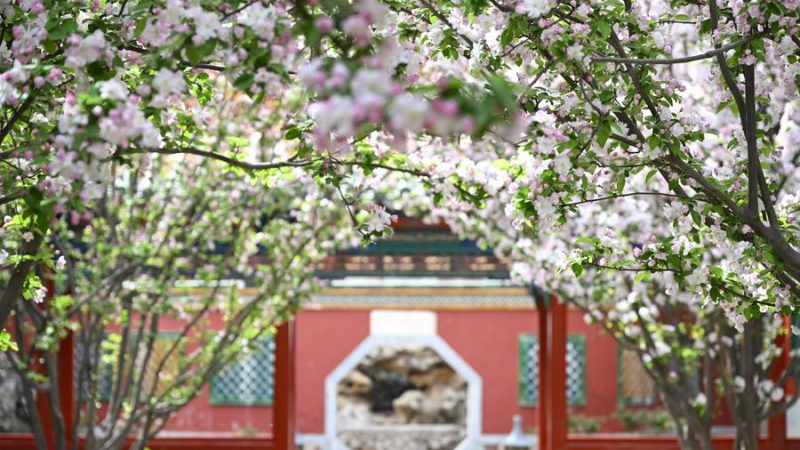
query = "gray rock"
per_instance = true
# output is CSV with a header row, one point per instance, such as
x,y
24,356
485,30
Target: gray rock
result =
x,y
355,384
402,398
14,416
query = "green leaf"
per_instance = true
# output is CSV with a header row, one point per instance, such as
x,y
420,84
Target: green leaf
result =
x,y
696,218
62,30
6,342
502,90
507,36
620,183
293,133
604,29
757,45
654,142
195,54
100,71
705,26
62,302
603,132
642,276
244,81
140,25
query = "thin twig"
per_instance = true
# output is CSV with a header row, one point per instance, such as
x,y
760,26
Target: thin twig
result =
x,y
500,6
630,269
239,9
12,196
447,22
14,117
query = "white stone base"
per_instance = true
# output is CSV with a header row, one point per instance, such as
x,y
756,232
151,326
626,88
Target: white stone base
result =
x,y
493,441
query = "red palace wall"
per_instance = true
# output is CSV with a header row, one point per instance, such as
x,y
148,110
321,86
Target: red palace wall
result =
x,y
486,339
203,417
200,416
488,342
323,340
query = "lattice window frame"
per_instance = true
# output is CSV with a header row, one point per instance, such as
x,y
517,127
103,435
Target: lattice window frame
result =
x,y
217,396
794,343
624,400
528,372
577,341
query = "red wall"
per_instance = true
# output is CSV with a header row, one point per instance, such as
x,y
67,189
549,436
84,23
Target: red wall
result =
x,y
323,340
200,415
487,340
601,368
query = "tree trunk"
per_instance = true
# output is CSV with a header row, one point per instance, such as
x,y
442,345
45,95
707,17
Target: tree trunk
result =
x,y
13,291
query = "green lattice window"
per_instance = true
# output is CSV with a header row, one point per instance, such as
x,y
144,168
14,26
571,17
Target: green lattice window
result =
x,y
576,369
250,381
529,370
795,341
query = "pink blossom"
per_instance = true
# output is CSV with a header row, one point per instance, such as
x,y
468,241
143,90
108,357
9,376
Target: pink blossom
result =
x,y
324,24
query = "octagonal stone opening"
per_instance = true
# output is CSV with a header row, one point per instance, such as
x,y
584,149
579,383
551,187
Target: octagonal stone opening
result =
x,y
402,397
403,393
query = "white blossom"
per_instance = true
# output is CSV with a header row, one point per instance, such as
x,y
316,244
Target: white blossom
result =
x,y
407,113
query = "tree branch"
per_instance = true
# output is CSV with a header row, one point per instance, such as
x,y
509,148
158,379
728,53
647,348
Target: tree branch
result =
x,y
627,194
750,135
246,165
630,269
730,81
13,290
681,60
238,10
615,43
144,51
502,7
17,114
12,196
446,21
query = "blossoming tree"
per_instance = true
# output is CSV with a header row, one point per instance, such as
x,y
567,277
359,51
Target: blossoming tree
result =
x,y
702,359
218,263
564,103
88,87
693,104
